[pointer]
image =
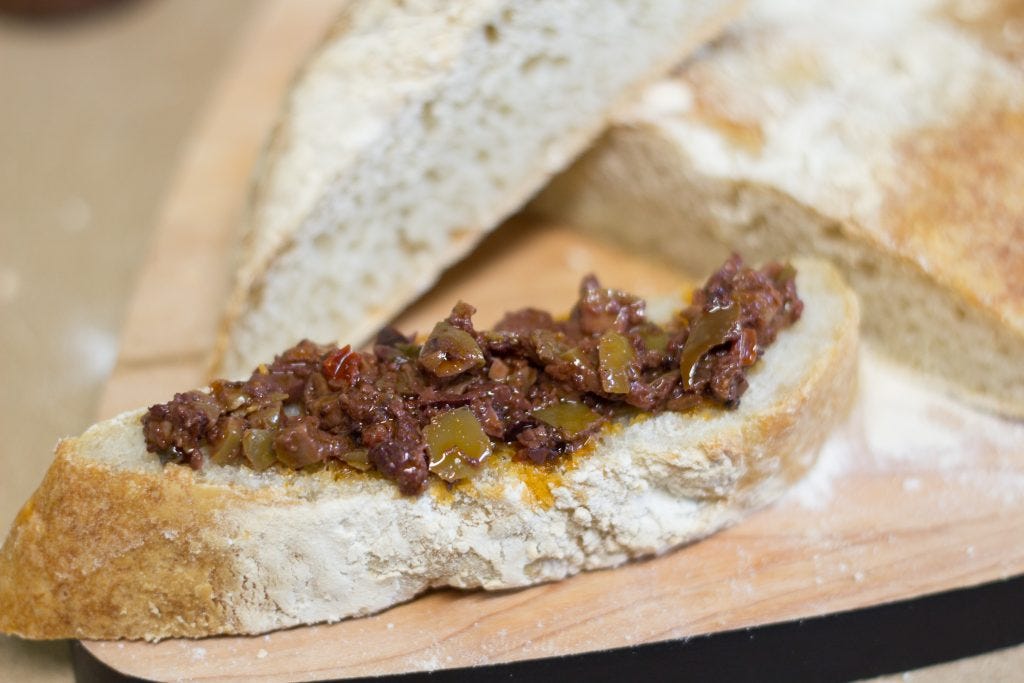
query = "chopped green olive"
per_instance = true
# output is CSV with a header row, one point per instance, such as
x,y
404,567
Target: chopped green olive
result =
x,y
571,417
410,350
456,443
654,338
576,357
358,459
549,345
258,447
230,394
268,417
616,357
230,437
708,331
450,351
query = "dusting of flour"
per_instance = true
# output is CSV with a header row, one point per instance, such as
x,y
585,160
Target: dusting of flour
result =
x,y
903,424
816,489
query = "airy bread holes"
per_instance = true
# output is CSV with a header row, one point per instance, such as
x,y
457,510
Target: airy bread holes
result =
x,y
832,231
410,245
531,63
321,241
428,117
869,268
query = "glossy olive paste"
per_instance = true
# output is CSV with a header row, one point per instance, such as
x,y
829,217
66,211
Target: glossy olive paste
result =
x,y
539,384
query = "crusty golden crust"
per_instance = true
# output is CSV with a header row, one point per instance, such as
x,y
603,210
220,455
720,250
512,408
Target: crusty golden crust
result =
x,y
958,208
991,23
63,565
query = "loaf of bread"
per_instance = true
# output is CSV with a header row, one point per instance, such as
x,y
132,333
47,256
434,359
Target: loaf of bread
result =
x,y
114,545
416,128
887,137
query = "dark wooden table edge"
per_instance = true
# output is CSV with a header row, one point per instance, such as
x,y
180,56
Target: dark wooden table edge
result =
x,y
861,643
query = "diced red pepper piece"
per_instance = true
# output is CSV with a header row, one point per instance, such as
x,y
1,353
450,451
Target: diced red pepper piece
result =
x,y
342,365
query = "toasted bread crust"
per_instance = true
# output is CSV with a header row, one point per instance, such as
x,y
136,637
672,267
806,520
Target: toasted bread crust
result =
x,y
63,568
957,209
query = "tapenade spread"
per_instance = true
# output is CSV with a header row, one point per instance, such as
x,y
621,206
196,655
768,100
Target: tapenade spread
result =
x,y
541,385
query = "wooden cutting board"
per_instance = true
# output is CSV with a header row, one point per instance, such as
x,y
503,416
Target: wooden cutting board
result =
x,y
916,494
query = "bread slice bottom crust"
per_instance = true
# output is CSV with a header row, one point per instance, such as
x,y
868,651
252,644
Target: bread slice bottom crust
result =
x,y
112,545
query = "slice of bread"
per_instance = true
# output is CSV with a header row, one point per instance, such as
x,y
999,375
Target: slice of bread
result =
x,y
887,137
416,128
112,545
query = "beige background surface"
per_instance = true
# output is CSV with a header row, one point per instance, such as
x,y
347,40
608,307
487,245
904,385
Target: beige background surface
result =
x,y
93,114
93,111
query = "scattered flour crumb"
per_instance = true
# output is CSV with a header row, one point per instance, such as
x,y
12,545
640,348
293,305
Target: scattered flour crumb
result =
x,y
74,215
390,626
911,484
198,654
93,349
10,285
261,654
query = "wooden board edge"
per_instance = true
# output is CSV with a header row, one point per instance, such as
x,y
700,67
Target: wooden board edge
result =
x,y
861,643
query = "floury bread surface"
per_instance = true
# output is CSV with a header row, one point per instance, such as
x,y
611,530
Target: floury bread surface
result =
x,y
416,128
887,137
112,545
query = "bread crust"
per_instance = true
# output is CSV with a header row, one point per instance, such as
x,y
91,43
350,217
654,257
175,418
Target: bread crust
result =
x,y
64,565
957,210
114,546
